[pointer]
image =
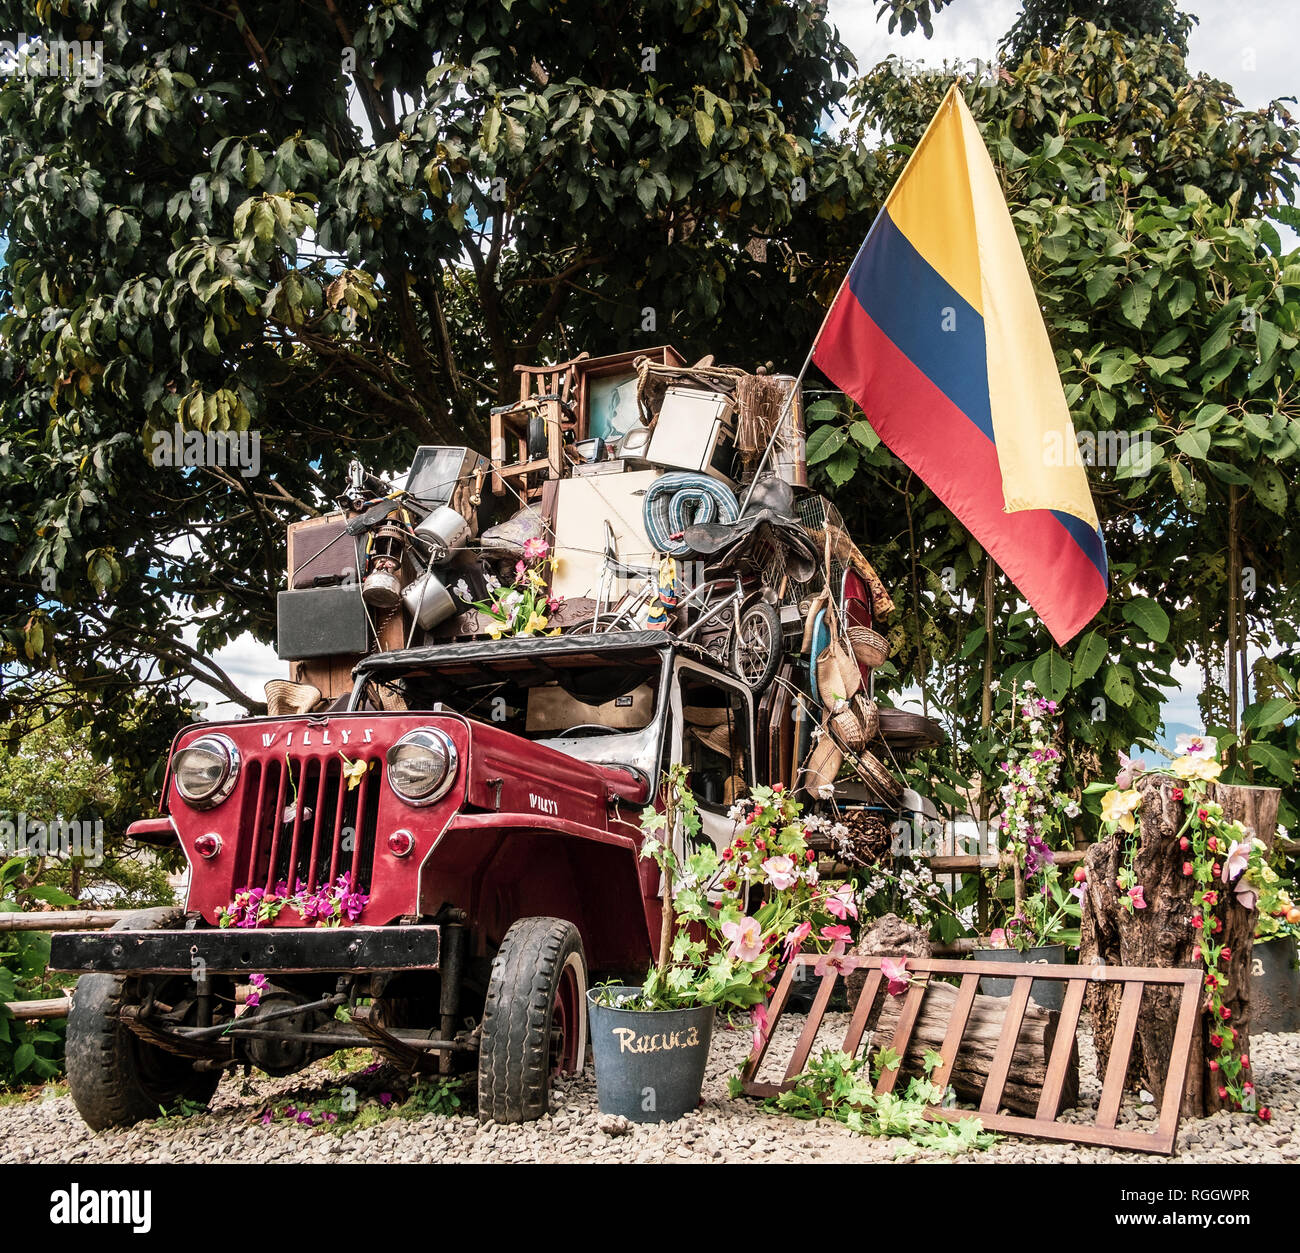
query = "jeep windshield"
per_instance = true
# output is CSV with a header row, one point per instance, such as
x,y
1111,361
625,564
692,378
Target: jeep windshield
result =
x,y
600,698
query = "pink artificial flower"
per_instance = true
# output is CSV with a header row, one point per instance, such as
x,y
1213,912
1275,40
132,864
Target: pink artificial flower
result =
x,y
1129,768
781,872
758,1015
257,987
841,902
1236,861
746,938
833,961
794,941
535,548
997,938
895,973
1136,898
838,935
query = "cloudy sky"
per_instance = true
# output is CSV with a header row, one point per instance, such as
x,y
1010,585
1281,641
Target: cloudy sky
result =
x,y
1247,43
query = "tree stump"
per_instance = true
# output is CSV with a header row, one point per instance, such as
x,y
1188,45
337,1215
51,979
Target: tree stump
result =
x,y
1162,935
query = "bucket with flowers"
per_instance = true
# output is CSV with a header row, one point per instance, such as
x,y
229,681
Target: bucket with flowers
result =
x,y
730,917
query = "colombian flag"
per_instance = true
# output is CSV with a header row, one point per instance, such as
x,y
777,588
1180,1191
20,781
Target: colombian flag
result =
x,y
937,334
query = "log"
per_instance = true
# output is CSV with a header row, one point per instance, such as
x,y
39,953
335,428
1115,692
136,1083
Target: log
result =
x,y
55,1007
64,920
975,1055
890,936
1162,935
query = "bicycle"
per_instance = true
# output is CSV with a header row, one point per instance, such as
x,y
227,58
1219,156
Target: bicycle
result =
x,y
752,625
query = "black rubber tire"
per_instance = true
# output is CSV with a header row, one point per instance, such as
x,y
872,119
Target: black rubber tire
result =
x,y
515,1049
759,629
115,1078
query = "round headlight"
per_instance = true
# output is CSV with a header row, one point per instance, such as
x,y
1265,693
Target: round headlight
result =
x,y
422,766
206,770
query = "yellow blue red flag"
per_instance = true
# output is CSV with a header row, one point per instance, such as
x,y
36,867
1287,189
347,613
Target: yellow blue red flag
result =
x,y
937,334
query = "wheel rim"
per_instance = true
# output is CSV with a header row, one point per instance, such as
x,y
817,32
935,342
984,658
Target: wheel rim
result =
x,y
566,1024
756,646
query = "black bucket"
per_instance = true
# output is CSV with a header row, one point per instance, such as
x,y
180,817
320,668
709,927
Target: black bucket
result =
x,y
1275,985
649,1062
1049,993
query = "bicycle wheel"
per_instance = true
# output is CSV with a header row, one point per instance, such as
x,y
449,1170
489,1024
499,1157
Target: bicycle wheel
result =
x,y
756,651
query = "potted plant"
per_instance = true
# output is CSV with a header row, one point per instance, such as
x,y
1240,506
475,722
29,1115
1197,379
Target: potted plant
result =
x,y
651,1043
1041,914
1275,963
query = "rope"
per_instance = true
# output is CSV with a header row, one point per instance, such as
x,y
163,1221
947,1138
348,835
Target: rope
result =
x,y
676,501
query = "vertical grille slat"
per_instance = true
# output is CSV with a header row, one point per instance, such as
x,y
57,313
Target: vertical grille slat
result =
x,y
313,859
275,817
312,849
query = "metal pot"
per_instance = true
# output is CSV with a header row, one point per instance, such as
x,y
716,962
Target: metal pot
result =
x,y
649,1063
444,531
1050,994
428,601
1275,985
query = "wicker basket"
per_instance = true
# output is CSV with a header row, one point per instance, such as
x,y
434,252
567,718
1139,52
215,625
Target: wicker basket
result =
x,y
876,776
858,723
869,647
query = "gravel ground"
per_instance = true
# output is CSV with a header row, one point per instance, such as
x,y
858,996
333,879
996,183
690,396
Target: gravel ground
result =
x,y
46,1128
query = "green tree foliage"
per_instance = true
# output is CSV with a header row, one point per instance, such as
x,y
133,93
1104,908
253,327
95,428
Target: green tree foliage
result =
x,y
210,233
1145,200
341,225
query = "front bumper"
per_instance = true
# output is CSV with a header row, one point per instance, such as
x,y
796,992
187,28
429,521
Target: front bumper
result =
x,y
286,950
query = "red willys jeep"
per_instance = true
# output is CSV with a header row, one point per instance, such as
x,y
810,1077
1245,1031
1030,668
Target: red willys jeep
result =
x,y
489,837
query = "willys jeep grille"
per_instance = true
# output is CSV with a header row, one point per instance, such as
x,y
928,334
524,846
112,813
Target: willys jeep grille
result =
x,y
308,827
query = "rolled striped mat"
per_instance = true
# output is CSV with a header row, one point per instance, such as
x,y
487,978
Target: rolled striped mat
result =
x,y
675,501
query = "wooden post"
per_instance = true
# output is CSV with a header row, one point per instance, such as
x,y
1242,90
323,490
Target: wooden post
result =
x,y
1162,935
986,703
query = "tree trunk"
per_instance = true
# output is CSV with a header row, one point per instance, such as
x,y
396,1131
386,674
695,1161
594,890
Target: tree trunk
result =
x,y
1162,935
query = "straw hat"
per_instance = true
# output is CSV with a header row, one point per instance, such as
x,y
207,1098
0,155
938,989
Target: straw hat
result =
x,y
286,697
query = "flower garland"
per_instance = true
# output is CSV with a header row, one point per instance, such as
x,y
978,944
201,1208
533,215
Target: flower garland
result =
x,y
1225,863
328,906
1031,815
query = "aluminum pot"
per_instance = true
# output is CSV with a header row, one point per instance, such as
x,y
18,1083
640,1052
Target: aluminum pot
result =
x,y
444,531
428,601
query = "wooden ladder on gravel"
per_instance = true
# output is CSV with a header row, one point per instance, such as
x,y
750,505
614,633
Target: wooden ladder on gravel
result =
x,y
1103,1130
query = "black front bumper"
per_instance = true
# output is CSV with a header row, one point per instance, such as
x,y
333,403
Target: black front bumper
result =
x,y
288,950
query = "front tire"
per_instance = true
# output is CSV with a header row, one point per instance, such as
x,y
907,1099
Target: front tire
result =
x,y
534,1021
115,1078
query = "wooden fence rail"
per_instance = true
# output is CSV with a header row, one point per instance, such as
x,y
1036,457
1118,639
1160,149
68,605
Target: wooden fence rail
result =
x,y
64,920
55,920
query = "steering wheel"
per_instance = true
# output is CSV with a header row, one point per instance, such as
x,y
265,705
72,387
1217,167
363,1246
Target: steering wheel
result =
x,y
590,726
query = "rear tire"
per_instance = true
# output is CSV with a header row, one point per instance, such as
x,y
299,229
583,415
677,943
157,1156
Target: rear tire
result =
x,y
756,652
534,1021
115,1078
